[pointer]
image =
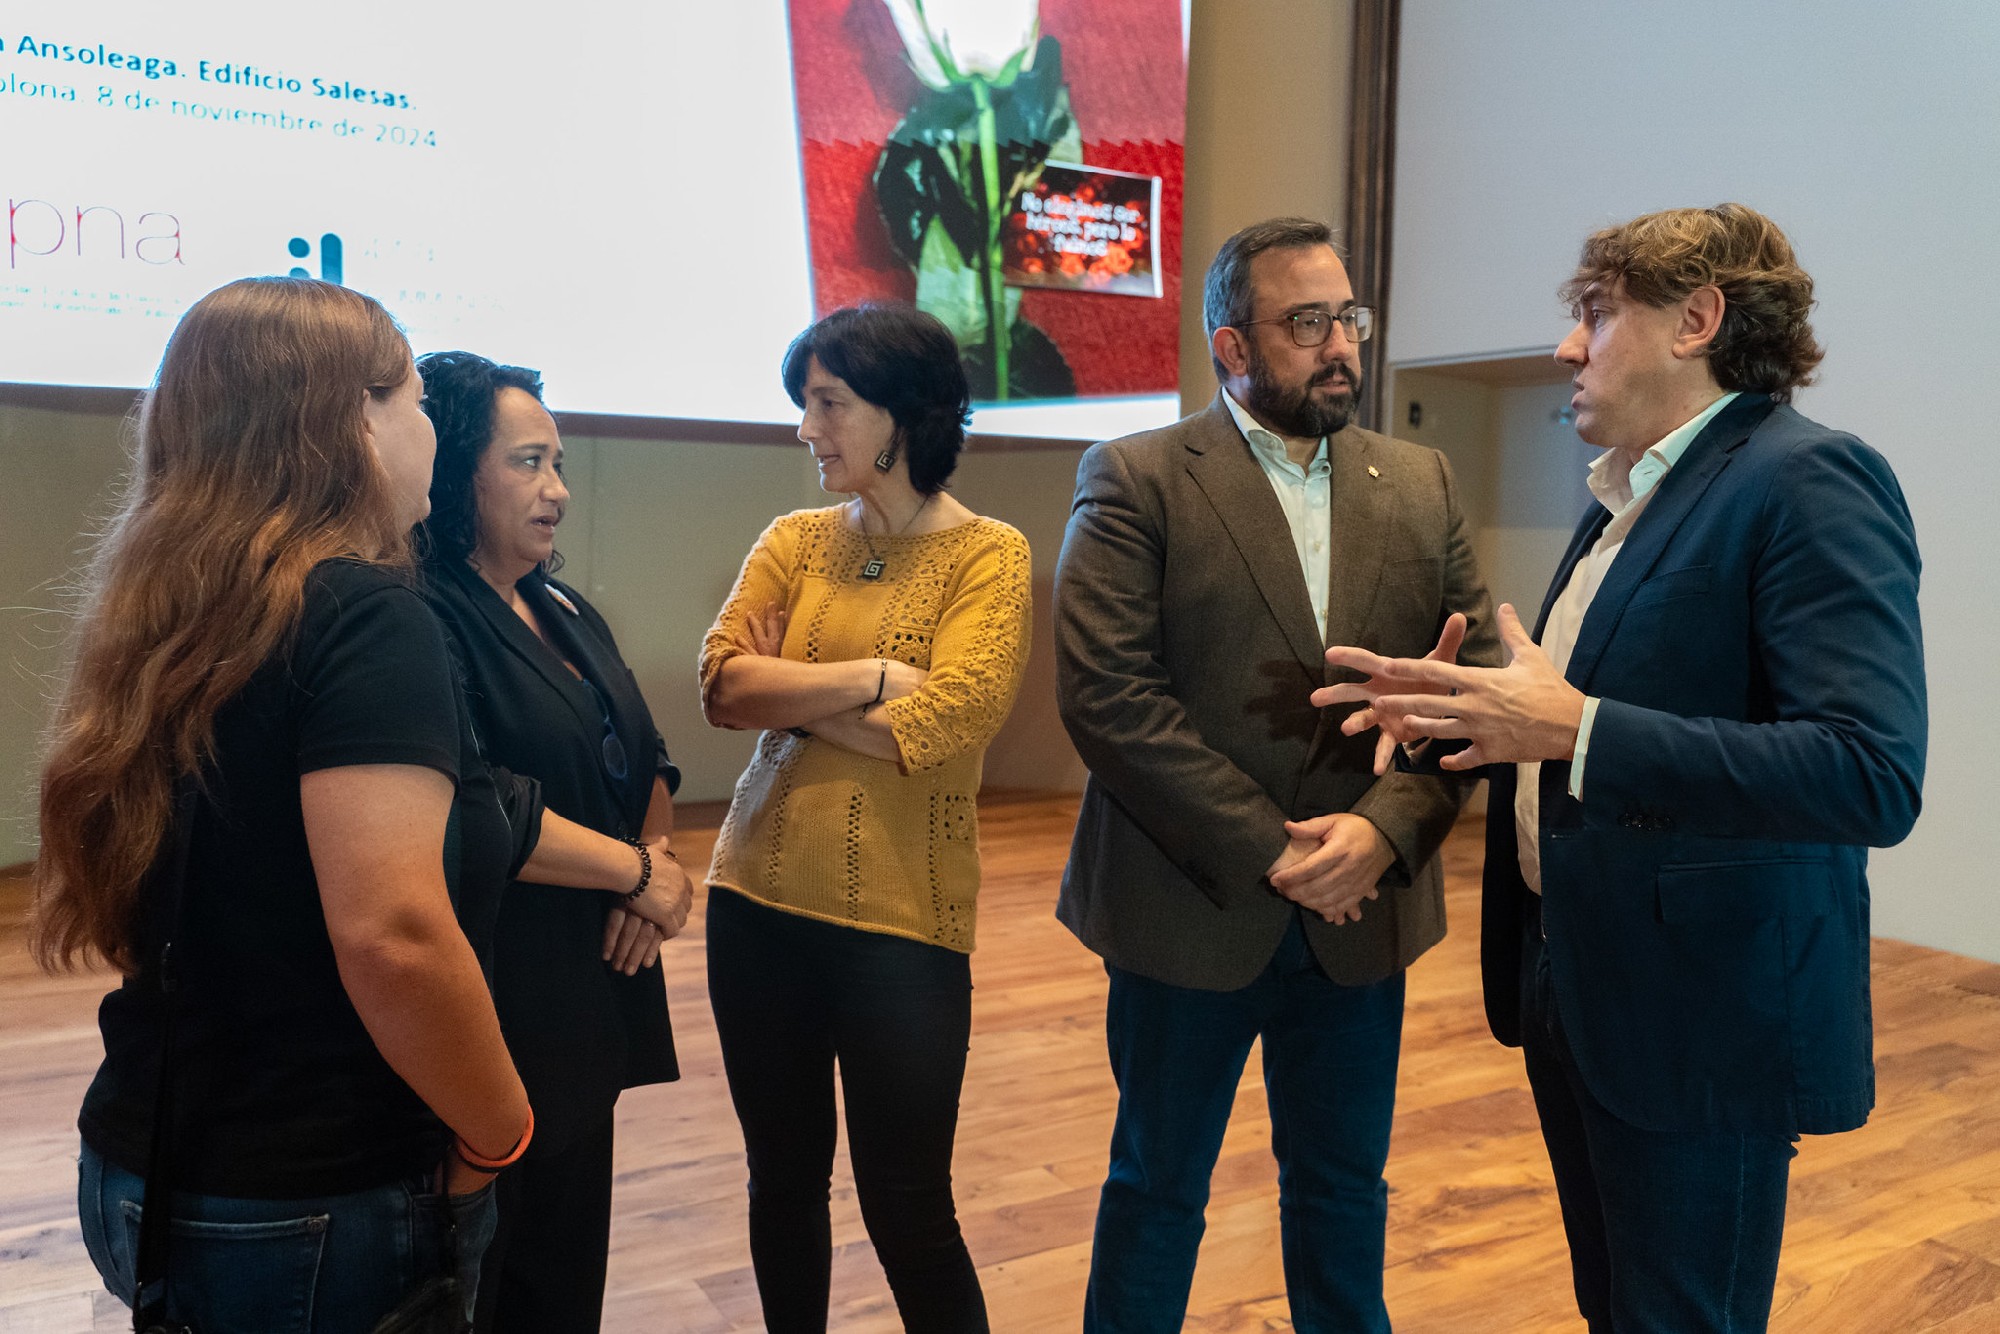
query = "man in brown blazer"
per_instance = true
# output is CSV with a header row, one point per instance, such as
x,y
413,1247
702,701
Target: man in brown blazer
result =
x,y
1237,863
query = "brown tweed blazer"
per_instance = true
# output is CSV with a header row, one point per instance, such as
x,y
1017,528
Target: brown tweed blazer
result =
x,y
1186,650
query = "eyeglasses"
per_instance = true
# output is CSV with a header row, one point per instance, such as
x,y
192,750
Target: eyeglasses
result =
x,y
611,750
1310,328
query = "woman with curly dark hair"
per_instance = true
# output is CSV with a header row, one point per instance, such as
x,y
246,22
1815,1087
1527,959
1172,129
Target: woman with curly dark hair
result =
x,y
582,1007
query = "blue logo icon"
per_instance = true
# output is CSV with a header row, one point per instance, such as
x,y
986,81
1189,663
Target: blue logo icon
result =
x,y
331,266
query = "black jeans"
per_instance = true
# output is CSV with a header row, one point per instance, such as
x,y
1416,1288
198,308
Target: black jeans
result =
x,y
793,995
544,1272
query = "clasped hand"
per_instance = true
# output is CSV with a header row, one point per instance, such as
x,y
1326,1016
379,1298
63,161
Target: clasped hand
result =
x,y
1332,865
1522,711
634,930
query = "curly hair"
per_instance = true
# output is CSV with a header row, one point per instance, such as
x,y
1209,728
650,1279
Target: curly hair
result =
x,y
905,362
460,390
1766,342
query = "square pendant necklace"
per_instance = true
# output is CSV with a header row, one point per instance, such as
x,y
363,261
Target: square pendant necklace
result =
x,y
875,566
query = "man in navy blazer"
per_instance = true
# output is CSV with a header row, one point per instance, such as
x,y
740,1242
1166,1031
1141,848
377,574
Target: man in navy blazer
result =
x,y
1721,709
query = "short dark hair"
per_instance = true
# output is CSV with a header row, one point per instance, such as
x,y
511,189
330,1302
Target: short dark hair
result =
x,y
1225,292
905,362
460,389
1765,343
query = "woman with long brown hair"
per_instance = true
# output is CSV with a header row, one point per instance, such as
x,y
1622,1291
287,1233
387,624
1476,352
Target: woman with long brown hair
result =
x,y
249,654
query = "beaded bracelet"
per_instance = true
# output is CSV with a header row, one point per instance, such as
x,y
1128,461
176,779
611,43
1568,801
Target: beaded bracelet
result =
x,y
645,868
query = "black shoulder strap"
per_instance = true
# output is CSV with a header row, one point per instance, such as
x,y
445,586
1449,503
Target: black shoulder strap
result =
x,y
149,1300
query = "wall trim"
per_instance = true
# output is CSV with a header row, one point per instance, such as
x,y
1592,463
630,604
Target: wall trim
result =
x,y
109,400
1371,185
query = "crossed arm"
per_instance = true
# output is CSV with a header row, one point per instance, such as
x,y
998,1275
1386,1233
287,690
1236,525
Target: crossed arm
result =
x,y
835,701
881,707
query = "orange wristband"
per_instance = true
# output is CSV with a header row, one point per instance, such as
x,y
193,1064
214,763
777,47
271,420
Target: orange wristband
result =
x,y
472,1159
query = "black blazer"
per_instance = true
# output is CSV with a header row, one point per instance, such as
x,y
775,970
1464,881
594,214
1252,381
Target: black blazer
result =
x,y
1757,650
578,1030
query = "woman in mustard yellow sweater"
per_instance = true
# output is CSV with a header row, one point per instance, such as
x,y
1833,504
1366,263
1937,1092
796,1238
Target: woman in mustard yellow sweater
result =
x,y
879,644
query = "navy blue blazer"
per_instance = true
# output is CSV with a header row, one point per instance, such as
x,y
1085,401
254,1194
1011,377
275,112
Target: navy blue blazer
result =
x,y
1757,650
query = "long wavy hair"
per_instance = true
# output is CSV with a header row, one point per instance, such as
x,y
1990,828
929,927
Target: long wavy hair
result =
x,y
253,464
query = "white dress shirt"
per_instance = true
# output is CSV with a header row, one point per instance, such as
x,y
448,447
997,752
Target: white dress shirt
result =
x,y
1305,495
1623,488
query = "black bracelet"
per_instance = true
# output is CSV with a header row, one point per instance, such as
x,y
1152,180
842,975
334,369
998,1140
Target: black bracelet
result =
x,y
645,868
880,681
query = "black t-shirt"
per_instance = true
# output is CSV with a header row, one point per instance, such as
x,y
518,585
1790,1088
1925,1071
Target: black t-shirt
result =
x,y
281,1092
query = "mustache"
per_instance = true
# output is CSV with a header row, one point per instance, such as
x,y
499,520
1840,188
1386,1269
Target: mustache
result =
x,y
1333,373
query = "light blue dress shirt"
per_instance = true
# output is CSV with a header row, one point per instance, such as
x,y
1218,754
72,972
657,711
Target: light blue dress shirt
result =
x,y
1624,488
1305,494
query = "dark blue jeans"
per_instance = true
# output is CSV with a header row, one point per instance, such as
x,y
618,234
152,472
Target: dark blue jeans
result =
x,y
1669,1232
332,1265
1330,1077
792,997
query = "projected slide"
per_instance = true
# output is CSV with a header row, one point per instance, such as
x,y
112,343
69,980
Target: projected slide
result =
x,y
609,191
1012,166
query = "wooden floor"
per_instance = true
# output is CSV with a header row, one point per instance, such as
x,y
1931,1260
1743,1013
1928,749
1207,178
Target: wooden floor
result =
x,y
1893,1228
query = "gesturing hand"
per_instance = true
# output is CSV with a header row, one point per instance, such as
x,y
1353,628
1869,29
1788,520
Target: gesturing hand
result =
x,y
1523,711
1449,639
1332,864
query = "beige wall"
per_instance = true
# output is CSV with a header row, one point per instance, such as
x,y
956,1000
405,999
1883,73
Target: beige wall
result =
x,y
1266,135
1519,467
60,466
658,528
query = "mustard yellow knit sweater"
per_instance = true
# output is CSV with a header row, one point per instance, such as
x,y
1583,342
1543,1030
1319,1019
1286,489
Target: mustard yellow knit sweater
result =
x,y
846,838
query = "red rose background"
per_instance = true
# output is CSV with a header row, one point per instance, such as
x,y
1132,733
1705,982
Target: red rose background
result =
x,y
1127,82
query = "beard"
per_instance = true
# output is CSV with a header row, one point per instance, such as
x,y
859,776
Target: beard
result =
x,y
1295,412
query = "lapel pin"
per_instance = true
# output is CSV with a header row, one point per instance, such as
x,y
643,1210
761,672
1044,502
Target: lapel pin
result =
x,y
556,596
1373,471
